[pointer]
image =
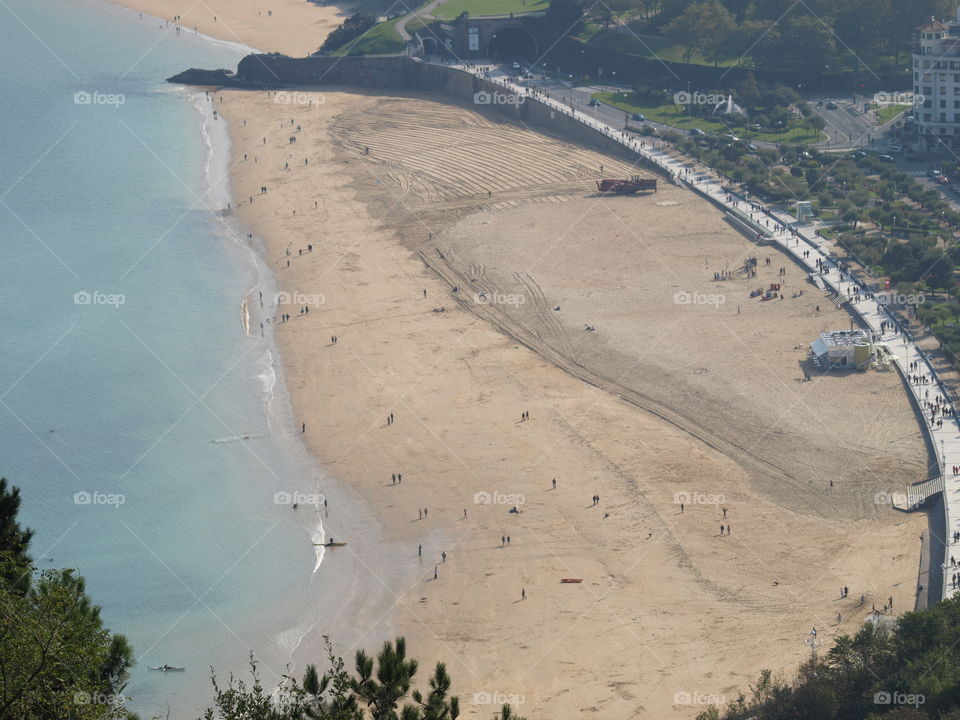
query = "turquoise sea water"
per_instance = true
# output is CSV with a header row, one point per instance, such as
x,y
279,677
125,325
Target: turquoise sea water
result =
x,y
126,380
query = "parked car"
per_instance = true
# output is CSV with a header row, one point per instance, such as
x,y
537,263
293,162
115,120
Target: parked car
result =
x,y
887,158
831,106
752,148
594,102
639,117
697,131
857,154
942,180
896,149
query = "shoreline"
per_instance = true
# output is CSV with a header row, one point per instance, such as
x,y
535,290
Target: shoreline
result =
x,y
351,513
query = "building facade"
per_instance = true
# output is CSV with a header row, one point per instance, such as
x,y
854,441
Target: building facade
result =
x,y
936,84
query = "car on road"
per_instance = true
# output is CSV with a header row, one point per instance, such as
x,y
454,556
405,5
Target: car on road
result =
x,y
516,65
731,137
887,158
831,106
942,180
594,102
697,131
895,149
857,154
639,117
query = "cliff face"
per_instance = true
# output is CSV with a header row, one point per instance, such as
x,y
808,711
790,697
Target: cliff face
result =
x,y
198,76
378,72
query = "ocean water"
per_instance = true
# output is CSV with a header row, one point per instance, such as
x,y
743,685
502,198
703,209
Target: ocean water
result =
x,y
142,424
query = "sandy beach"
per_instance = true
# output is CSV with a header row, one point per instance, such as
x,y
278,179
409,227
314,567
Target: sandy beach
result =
x,y
292,27
459,272
663,403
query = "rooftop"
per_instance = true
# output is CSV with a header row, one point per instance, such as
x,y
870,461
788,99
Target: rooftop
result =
x,y
843,338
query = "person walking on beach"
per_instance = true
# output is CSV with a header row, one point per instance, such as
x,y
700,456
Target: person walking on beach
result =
x,y
464,513
424,513
508,539
503,540
399,478
721,529
436,572
419,550
303,428
420,513
523,593
393,478
444,555
555,483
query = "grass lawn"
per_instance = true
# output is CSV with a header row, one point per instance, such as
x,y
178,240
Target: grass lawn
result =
x,y
588,31
668,114
649,46
889,112
479,8
418,23
381,39
674,116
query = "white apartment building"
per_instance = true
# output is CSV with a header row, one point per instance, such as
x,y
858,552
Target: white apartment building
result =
x,y
936,84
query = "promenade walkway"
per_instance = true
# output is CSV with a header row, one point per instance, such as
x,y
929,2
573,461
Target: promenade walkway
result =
x,y
778,227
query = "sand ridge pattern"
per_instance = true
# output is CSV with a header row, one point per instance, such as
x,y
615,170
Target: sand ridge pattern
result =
x,y
452,159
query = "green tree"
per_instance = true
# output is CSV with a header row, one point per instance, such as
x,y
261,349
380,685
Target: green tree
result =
x,y
56,658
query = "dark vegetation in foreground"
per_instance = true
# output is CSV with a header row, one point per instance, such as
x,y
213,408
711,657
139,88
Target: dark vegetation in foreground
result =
x,y
58,661
909,671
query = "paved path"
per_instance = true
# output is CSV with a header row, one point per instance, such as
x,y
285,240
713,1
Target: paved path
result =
x,y
401,25
815,254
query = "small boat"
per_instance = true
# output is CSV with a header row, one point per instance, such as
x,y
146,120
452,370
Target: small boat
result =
x,y
330,543
571,580
167,668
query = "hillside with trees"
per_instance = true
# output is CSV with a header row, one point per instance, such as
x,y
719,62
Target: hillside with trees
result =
x,y
823,36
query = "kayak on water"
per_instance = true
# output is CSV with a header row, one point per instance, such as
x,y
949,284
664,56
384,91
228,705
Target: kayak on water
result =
x,y
167,668
330,543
